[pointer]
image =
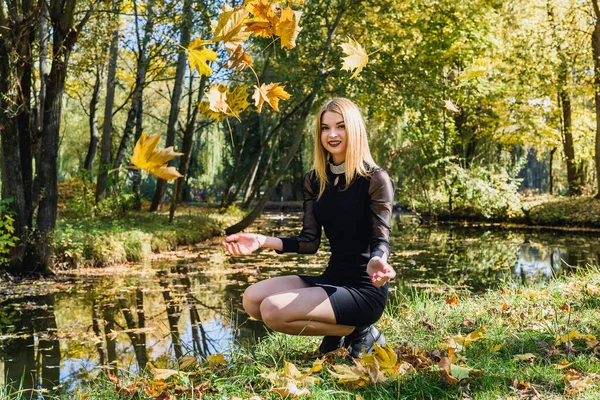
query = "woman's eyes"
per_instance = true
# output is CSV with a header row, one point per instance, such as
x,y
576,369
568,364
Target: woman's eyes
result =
x,y
324,128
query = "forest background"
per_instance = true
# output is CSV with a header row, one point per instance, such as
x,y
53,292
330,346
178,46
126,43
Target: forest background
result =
x,y
469,105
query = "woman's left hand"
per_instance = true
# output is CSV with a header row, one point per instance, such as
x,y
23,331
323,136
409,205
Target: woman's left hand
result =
x,y
380,271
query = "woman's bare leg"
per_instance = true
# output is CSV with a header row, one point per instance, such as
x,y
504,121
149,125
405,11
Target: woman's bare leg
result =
x,y
255,294
304,311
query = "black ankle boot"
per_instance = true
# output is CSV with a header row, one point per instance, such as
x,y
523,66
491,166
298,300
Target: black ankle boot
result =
x,y
363,339
331,343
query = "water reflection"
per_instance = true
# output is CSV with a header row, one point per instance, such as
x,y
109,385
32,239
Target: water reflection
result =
x,y
61,332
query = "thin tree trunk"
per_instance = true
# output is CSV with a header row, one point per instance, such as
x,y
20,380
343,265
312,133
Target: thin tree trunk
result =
x,y
550,171
107,128
568,146
188,144
93,122
596,52
140,82
161,185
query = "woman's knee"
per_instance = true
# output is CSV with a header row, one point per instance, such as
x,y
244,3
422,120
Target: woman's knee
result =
x,y
251,302
272,315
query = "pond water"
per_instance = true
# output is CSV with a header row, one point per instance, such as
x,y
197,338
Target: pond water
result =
x,y
57,333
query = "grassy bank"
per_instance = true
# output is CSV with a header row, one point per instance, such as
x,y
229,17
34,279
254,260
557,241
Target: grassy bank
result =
x,y
132,236
529,342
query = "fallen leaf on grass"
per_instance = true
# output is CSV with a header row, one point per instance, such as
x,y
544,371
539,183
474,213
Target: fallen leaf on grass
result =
x,y
563,364
577,381
214,360
569,337
525,357
451,300
290,381
347,374
164,374
592,290
452,373
187,361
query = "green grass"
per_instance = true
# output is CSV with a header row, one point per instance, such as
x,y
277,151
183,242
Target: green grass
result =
x,y
519,320
130,237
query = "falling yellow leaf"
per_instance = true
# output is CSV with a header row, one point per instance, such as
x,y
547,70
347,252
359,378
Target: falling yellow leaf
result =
x,y
288,28
145,156
231,27
223,101
264,18
356,57
217,100
271,94
214,360
239,59
198,56
450,106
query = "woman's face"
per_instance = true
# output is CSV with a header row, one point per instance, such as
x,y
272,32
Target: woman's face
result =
x,y
333,136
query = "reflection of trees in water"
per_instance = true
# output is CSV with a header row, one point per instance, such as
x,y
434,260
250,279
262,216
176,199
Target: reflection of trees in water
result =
x,y
178,296
538,261
32,359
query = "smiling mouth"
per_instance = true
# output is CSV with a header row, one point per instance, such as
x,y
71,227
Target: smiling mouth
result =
x,y
334,143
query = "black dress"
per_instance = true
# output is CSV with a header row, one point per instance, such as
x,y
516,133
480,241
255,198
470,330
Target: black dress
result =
x,y
357,222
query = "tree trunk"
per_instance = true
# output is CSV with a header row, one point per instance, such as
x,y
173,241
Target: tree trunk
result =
x,y
93,122
107,128
596,52
551,172
140,82
187,145
64,36
568,146
161,184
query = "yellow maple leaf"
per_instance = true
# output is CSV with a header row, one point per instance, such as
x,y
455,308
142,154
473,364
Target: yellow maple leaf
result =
x,y
290,380
146,157
198,56
356,57
264,17
231,27
270,93
288,28
217,99
223,102
351,375
239,59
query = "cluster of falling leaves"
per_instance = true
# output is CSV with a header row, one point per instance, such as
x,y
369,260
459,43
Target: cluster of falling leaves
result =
x,y
262,18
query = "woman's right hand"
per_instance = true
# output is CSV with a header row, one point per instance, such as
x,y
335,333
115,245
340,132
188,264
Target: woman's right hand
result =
x,y
243,243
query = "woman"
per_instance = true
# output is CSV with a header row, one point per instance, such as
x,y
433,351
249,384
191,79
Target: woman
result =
x,y
351,198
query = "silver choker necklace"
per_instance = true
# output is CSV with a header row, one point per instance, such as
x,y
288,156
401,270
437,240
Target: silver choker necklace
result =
x,y
337,169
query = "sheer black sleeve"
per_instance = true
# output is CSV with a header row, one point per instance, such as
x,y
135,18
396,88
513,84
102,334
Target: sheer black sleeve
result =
x,y
381,197
309,239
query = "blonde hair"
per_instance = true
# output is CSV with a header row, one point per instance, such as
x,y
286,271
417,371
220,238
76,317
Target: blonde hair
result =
x,y
358,157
